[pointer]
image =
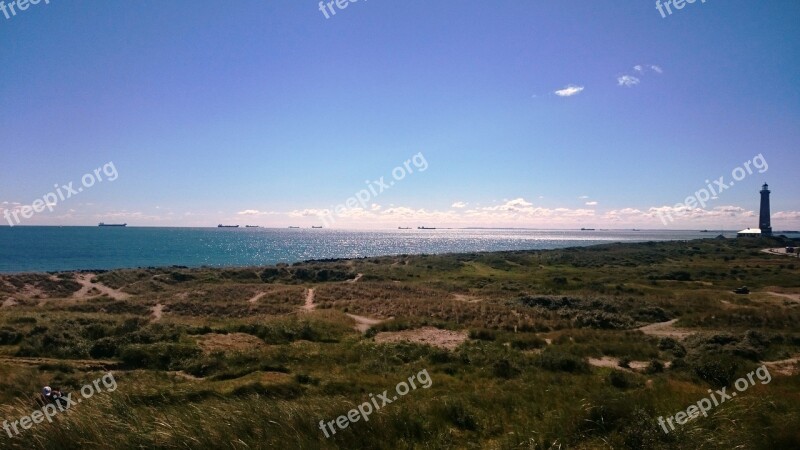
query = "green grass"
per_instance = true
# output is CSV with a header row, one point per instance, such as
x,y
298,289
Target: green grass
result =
x,y
197,379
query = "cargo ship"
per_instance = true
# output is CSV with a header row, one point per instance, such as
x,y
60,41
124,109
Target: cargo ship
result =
x,y
227,226
102,224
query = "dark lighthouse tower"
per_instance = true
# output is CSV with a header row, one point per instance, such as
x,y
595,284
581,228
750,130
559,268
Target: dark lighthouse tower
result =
x,y
764,219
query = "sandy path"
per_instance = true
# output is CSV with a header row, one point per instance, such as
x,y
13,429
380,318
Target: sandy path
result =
x,y
780,251
88,364
364,323
257,297
436,337
468,299
87,285
666,329
786,367
358,277
309,305
613,363
185,376
157,311
795,297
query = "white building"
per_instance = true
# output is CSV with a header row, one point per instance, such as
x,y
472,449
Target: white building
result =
x,y
750,232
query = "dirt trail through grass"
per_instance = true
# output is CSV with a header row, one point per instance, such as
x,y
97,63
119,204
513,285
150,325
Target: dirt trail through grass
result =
x,y
794,297
157,312
436,337
257,297
786,367
364,323
666,329
85,280
355,280
309,305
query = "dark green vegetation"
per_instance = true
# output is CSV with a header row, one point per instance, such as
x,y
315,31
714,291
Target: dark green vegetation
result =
x,y
229,358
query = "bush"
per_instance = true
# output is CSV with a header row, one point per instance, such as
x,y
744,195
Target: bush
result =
x,y
9,337
158,356
622,380
528,342
482,335
558,361
718,370
655,366
504,369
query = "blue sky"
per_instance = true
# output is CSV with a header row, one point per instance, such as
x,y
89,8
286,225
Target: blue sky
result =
x,y
268,113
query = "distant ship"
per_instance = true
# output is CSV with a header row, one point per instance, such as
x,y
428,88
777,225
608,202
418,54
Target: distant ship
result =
x,y
403,228
316,227
425,228
704,231
227,226
101,224
251,226
587,229
294,227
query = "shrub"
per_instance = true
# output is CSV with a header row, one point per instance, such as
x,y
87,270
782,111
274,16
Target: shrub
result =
x,y
482,335
158,356
557,361
9,337
622,380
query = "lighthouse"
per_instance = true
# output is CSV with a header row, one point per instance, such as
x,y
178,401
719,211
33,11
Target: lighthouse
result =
x,y
764,218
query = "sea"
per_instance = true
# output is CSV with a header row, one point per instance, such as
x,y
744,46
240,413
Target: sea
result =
x,y
54,249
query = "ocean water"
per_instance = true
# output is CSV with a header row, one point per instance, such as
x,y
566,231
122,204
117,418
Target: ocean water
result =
x,y
45,249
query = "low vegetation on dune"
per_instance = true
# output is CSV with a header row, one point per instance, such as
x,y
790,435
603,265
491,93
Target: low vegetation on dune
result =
x,y
578,348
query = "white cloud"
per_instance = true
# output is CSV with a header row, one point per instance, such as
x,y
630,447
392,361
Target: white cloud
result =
x,y
591,203
638,68
583,197
249,212
657,69
569,91
786,215
627,80
459,205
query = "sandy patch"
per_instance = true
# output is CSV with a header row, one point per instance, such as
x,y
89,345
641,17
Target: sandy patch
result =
x,y
779,251
157,312
633,366
9,302
666,329
232,342
257,297
786,367
606,361
793,297
355,280
309,304
90,289
466,298
427,335
364,323
184,375
31,291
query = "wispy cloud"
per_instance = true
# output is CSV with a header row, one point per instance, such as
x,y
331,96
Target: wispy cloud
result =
x,y
459,205
569,91
591,203
627,81
657,69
